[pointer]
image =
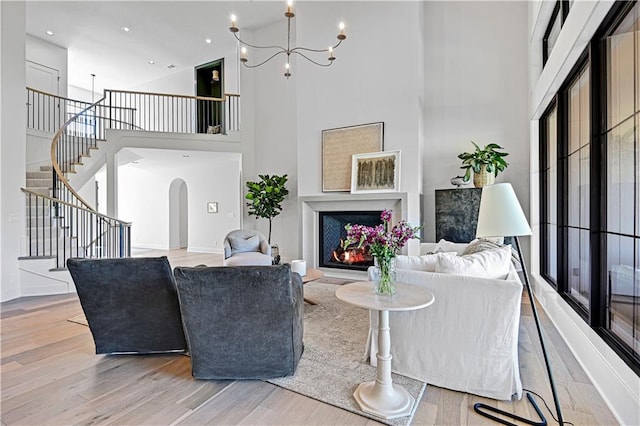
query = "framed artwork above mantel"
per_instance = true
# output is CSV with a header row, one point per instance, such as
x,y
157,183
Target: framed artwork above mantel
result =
x,y
338,147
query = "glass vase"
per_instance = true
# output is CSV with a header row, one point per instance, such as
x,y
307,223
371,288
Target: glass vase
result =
x,y
384,276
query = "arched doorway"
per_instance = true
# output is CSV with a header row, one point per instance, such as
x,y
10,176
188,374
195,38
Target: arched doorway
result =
x,y
178,215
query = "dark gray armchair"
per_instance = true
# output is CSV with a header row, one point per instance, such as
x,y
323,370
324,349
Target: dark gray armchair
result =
x,y
131,304
241,322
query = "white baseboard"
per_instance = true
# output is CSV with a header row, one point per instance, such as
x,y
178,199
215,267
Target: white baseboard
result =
x,y
618,385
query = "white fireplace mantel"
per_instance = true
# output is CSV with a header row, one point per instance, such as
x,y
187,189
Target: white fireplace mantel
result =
x,y
311,205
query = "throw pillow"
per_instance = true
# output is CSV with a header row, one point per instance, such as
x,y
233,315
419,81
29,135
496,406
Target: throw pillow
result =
x,y
240,245
492,263
445,246
425,262
482,244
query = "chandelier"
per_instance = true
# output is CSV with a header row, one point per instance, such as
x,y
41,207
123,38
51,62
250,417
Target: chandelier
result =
x,y
279,50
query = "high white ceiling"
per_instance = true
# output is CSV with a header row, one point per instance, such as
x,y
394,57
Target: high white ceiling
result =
x,y
167,32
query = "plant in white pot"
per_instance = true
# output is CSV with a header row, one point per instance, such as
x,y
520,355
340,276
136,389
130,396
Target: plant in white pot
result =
x,y
485,162
265,198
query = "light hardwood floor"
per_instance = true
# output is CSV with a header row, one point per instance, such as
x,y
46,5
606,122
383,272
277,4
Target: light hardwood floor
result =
x,y
50,375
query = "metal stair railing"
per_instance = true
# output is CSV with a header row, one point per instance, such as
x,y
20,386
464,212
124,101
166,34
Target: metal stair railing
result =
x,y
61,230
64,215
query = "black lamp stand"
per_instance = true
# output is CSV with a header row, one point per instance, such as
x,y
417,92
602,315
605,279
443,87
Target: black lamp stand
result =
x,y
484,409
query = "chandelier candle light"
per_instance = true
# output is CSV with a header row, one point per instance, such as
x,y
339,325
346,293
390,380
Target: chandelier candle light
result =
x,y
384,244
288,50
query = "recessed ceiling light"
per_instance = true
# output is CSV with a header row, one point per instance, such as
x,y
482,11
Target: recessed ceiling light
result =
x,y
171,66
125,29
207,40
49,32
150,62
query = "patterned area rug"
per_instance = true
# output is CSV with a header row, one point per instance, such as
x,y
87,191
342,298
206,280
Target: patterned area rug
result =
x,y
333,363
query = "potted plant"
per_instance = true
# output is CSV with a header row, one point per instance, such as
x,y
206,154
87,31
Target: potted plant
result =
x,y
265,198
485,162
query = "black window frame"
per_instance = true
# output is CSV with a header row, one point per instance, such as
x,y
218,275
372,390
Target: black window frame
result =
x,y
595,59
561,8
544,197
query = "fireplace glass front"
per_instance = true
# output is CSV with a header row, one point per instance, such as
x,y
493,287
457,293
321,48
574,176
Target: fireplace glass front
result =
x,y
333,253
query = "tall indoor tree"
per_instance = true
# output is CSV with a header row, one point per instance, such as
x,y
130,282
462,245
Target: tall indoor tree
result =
x,y
265,197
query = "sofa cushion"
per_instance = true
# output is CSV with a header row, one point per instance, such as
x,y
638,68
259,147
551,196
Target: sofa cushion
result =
x,y
481,244
492,263
425,262
242,245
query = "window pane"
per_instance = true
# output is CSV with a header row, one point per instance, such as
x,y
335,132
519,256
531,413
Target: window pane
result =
x,y
579,266
584,186
554,33
573,193
621,178
552,258
620,69
585,110
574,118
622,288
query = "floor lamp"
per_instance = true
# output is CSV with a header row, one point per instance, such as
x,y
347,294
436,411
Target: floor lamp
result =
x,y
500,215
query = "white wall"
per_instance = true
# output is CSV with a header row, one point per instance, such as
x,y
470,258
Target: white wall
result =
x,y
12,144
374,78
275,130
476,74
616,382
48,54
143,199
38,149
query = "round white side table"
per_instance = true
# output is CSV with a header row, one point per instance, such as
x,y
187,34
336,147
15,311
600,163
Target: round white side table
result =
x,y
381,397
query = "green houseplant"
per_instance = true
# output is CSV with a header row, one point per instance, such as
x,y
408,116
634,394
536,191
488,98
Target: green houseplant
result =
x,y
265,197
485,162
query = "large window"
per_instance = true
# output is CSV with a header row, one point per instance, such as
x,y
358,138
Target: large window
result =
x,y
620,133
590,185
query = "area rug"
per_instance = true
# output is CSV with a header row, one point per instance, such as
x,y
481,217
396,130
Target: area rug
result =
x,y
333,363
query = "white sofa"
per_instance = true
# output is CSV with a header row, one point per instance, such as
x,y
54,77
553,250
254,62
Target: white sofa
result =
x,y
467,340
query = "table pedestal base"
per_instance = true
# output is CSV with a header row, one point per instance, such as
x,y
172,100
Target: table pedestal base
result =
x,y
386,401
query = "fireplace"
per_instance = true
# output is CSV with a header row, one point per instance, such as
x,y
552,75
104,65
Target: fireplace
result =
x,y
332,251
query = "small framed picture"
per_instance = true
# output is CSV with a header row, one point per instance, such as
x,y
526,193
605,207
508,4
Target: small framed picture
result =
x,y
212,207
375,172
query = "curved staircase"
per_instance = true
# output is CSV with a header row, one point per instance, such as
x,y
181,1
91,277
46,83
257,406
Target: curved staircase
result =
x,y
60,223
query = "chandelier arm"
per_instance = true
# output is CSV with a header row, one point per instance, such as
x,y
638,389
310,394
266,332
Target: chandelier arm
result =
x,y
311,60
316,50
265,61
259,47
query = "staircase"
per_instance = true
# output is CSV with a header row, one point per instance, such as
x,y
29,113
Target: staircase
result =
x,y
60,224
40,182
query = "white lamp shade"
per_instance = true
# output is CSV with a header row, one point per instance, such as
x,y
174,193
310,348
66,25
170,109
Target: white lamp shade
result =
x,y
500,213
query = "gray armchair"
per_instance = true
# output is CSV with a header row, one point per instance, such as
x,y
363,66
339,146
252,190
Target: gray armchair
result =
x,y
241,322
131,304
246,247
